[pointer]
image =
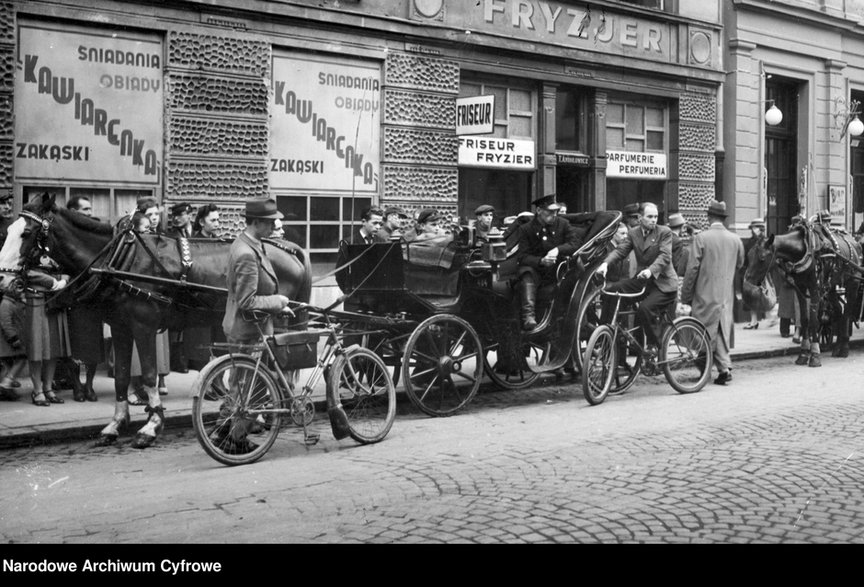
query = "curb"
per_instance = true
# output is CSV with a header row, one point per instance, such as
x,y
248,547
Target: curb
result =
x,y
182,419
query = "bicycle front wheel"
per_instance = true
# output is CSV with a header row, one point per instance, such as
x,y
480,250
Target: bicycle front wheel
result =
x,y
233,403
686,356
598,365
361,384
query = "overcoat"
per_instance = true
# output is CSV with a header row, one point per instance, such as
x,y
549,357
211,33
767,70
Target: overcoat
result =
x,y
536,239
715,256
252,285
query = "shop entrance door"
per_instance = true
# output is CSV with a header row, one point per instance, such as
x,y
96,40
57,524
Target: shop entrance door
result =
x,y
781,147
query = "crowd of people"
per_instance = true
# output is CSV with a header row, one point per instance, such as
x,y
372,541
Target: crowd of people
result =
x,y
676,264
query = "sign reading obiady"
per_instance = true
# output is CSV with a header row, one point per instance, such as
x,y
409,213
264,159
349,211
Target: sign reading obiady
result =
x,y
635,165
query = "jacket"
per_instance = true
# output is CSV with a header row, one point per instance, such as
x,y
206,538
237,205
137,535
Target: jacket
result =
x,y
653,253
536,239
252,285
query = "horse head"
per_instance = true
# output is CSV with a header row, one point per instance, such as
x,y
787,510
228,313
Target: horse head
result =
x,y
760,258
37,216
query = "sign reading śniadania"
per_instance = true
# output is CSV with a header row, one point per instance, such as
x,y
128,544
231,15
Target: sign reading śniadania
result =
x,y
325,128
88,106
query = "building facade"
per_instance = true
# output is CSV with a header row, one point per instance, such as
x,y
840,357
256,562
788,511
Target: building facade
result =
x,y
333,105
807,59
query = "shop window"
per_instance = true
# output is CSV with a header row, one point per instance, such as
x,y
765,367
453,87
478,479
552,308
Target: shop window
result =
x,y
635,127
569,129
318,223
109,204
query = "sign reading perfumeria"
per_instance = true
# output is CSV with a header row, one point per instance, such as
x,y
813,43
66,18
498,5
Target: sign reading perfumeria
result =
x,y
475,115
88,106
635,165
494,152
325,124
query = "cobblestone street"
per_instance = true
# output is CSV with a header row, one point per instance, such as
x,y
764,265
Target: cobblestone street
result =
x,y
776,457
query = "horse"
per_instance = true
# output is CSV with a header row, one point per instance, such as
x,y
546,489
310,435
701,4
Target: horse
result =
x,y
143,283
824,265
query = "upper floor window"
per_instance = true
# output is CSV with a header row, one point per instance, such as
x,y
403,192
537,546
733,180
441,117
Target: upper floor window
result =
x,y
636,126
514,108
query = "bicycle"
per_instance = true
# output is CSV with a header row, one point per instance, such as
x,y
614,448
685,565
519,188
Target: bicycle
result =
x,y
684,356
240,399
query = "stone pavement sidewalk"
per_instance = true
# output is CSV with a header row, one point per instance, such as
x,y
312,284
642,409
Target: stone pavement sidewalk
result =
x,y
22,423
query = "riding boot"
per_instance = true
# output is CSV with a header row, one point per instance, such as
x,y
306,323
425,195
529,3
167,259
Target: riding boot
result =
x,y
528,291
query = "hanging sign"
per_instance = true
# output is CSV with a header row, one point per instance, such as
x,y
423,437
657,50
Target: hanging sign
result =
x,y
475,115
325,124
493,152
88,106
629,164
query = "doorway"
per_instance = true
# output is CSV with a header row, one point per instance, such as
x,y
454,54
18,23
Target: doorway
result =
x,y
781,149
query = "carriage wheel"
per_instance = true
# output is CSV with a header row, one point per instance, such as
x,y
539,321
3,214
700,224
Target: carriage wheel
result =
x,y
598,365
509,376
233,400
443,364
686,356
360,383
388,350
587,321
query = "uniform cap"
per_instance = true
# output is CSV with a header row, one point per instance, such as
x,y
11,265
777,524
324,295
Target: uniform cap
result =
x,y
547,202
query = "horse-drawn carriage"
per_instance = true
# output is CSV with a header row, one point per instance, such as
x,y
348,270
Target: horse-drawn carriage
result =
x,y
441,323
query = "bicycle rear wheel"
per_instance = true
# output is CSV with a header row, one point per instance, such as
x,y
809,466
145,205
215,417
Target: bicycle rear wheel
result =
x,y
686,356
598,365
233,400
360,383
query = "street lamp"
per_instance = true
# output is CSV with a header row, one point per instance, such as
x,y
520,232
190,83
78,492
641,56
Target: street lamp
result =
x,y
773,116
846,119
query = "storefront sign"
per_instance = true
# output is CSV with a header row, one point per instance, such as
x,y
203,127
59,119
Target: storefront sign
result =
x,y
475,115
88,106
325,129
574,159
837,201
635,165
492,152
569,24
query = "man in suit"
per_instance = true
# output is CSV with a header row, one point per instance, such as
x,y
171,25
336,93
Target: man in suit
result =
x,y
679,244
252,281
542,242
716,254
652,245
371,220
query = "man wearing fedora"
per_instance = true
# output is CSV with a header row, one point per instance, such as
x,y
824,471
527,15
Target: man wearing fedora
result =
x,y
715,256
542,242
679,244
652,247
252,281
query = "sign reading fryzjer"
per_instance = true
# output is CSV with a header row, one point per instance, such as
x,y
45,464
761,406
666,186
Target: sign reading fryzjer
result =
x,y
88,106
475,115
635,165
494,152
325,127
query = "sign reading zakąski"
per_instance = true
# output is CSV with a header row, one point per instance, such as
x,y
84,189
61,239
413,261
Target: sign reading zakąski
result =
x,y
325,124
88,105
635,165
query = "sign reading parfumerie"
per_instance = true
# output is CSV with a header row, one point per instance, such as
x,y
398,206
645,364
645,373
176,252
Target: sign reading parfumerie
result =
x,y
636,165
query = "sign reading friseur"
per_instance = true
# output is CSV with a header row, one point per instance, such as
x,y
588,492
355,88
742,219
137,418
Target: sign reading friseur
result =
x,y
475,115
635,165
496,152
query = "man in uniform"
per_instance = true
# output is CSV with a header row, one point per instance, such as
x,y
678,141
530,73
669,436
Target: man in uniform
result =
x,y
652,245
715,256
393,218
181,221
542,242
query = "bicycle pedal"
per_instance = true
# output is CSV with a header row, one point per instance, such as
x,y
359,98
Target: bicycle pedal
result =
x,y
311,439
